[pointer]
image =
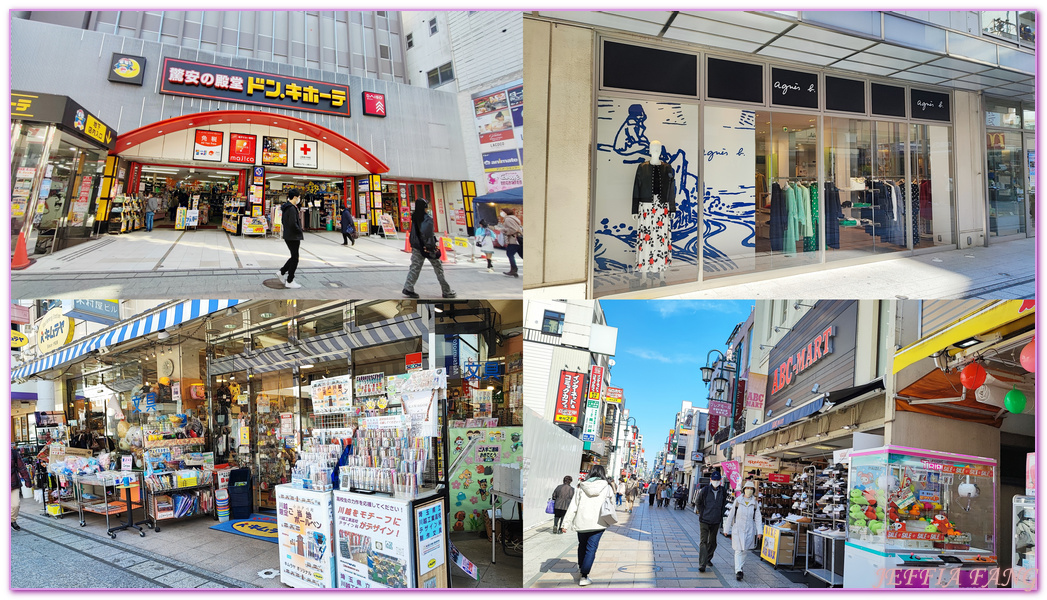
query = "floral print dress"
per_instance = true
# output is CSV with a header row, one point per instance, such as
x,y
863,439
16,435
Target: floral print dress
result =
x,y
654,232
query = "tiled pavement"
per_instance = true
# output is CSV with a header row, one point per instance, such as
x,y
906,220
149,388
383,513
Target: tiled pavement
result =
x,y
650,548
213,264
50,553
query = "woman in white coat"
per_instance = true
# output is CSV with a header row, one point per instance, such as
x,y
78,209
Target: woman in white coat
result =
x,y
744,524
583,515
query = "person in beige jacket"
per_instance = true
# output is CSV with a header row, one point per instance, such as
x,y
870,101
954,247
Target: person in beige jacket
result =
x,y
583,515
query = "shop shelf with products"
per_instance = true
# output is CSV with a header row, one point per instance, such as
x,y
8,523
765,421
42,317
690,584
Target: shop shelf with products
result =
x,y
178,487
232,210
827,509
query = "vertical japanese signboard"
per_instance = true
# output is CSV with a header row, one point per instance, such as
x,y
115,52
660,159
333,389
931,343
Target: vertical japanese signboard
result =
x,y
568,397
592,421
615,395
431,545
373,537
498,115
596,382
304,518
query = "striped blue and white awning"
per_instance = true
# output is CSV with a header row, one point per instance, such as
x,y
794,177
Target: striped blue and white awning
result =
x,y
153,321
328,347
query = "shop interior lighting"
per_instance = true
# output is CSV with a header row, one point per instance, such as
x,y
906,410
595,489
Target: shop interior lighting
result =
x,y
163,335
824,448
792,453
266,315
967,343
846,426
308,366
230,326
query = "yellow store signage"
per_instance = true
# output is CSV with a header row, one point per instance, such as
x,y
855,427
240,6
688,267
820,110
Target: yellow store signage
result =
x,y
54,331
18,340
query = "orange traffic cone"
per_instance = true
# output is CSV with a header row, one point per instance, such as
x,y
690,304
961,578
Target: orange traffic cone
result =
x,y
443,250
407,244
21,258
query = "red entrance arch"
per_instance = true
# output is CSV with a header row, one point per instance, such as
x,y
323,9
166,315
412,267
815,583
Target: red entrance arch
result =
x,y
341,143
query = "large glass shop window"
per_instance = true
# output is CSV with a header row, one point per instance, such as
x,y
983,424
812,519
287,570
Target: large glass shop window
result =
x,y
1007,208
931,188
646,215
866,197
761,191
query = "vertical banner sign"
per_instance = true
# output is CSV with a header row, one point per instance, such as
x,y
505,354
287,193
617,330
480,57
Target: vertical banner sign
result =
x,y
208,145
568,397
374,542
755,391
498,116
432,550
596,383
592,421
729,210
452,359
732,471
374,104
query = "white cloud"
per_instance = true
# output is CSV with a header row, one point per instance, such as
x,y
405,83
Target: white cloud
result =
x,y
658,356
674,308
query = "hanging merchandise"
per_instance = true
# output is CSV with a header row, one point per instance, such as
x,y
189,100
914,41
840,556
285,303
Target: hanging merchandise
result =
x,y
972,376
1028,356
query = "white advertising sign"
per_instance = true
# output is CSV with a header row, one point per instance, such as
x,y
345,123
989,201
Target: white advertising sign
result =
x,y
373,541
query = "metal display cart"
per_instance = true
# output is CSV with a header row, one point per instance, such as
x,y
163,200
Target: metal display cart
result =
x,y
154,515
101,504
829,569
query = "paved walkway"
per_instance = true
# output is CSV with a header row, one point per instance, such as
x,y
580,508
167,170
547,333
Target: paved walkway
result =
x,y
211,263
51,553
649,548
1005,270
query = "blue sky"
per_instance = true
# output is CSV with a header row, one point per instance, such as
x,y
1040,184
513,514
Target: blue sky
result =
x,y
661,345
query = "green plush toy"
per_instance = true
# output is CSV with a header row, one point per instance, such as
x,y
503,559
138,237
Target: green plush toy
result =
x,y
876,527
860,522
859,500
879,513
932,529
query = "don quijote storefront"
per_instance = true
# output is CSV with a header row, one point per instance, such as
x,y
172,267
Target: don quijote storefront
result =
x,y
222,140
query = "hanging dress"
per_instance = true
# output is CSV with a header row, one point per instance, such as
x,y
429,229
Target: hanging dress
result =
x,y
792,224
810,242
654,229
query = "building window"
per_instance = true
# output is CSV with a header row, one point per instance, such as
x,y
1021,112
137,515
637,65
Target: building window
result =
x,y
552,323
440,76
410,41
383,51
432,27
381,13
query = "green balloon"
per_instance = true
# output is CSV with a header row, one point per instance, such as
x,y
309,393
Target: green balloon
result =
x,y
1014,401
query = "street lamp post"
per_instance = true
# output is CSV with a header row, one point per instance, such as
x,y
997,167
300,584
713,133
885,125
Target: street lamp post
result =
x,y
618,428
720,383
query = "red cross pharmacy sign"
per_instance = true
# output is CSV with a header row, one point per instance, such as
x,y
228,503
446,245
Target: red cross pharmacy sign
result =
x,y
305,154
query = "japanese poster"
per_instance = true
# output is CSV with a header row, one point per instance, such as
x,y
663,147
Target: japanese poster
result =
x,y
498,118
208,145
431,536
274,151
373,536
332,394
242,148
370,385
305,152
419,393
471,483
306,528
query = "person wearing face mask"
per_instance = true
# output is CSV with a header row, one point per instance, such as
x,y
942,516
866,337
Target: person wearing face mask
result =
x,y
711,501
512,229
745,525
291,222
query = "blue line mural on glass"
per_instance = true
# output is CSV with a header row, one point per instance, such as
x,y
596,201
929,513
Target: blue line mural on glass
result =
x,y
729,202
634,124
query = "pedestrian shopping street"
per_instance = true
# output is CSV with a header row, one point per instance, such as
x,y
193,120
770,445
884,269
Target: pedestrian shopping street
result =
x,y
210,263
650,548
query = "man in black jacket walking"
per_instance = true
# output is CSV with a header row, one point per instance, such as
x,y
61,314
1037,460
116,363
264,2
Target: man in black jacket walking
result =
x,y
291,223
424,246
712,501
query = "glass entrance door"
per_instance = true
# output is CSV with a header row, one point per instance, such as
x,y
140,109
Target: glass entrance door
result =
x,y
1008,210
1030,186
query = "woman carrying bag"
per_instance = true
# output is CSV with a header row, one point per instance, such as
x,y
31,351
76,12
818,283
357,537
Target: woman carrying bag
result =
x,y
745,525
590,513
562,496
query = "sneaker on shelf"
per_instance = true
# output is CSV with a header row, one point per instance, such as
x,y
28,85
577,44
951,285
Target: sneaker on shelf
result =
x,y
823,528
803,496
795,505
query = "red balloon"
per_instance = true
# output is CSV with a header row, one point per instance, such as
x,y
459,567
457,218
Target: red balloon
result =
x,y
1028,356
972,376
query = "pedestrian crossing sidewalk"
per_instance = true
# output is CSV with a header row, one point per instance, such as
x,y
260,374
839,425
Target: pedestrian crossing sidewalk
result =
x,y
651,547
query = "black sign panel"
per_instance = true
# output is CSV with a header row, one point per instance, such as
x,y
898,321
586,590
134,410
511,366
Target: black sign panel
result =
x,y
216,82
820,349
645,69
64,111
929,105
730,80
794,88
847,95
127,68
888,100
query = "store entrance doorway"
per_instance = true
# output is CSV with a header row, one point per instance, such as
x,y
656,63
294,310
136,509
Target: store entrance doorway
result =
x,y
1030,170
